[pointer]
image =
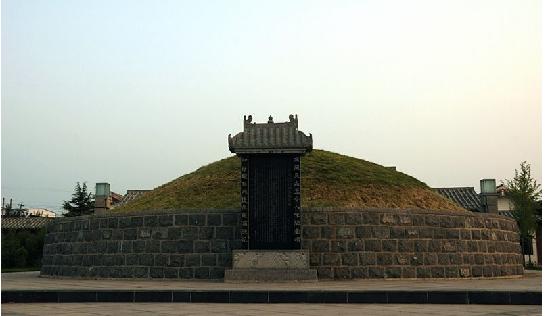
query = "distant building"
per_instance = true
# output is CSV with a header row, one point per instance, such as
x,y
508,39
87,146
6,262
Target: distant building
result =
x,y
42,212
17,223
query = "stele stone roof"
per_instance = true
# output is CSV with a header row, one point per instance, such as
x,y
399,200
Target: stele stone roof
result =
x,y
270,137
20,222
463,196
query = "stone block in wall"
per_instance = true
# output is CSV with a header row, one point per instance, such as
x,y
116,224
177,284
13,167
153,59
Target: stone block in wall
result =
x,y
384,259
359,273
192,260
201,246
353,219
201,273
367,258
146,259
331,259
197,219
170,273
169,246
437,272
208,259
311,232
152,246
159,233
451,272
162,260
345,232
166,220
156,272
336,218
123,222
136,221
214,220
206,232
376,272
138,246
412,233
362,231
144,233
349,259
342,273
176,260
132,259
315,259
337,246
141,272
487,271
217,273
185,273
381,232
371,218
320,246
421,245
225,232
392,272
374,245
219,245
408,272
325,273
230,219
389,245
388,219
151,221
181,219
401,259
449,246
355,245
329,232
405,245
174,233
130,234
190,233
397,232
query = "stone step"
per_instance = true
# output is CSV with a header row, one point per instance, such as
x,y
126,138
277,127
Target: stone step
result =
x,y
270,259
270,275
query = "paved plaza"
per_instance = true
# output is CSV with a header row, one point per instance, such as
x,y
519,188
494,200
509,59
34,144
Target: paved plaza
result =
x,y
121,309
531,281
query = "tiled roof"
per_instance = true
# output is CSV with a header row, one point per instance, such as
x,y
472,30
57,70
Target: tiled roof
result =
x,y
129,196
465,197
25,222
270,137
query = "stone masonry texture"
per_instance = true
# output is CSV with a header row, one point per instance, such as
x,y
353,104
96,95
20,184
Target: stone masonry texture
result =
x,y
390,243
189,244
343,244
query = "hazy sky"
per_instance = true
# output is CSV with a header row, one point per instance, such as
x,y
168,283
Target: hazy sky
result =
x,y
137,93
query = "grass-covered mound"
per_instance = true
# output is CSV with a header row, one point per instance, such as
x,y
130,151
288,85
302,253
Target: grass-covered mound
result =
x,y
328,179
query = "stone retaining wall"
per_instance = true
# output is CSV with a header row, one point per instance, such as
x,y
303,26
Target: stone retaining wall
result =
x,y
376,243
343,243
194,244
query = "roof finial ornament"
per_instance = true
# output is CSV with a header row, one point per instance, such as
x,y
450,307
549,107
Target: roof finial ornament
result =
x,y
270,120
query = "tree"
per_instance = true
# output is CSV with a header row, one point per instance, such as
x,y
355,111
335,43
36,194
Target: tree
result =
x,y
82,202
524,192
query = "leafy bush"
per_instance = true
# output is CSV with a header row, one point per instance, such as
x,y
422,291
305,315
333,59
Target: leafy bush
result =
x,y
22,248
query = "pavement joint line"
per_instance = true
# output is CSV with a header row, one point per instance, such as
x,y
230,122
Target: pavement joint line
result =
x,y
279,296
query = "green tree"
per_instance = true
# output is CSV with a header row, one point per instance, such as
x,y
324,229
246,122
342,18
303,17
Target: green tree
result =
x,y
82,202
524,192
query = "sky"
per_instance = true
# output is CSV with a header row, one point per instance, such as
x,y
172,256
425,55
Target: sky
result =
x,y
137,93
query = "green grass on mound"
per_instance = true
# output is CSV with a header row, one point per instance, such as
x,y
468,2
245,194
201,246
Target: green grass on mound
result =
x,y
328,179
